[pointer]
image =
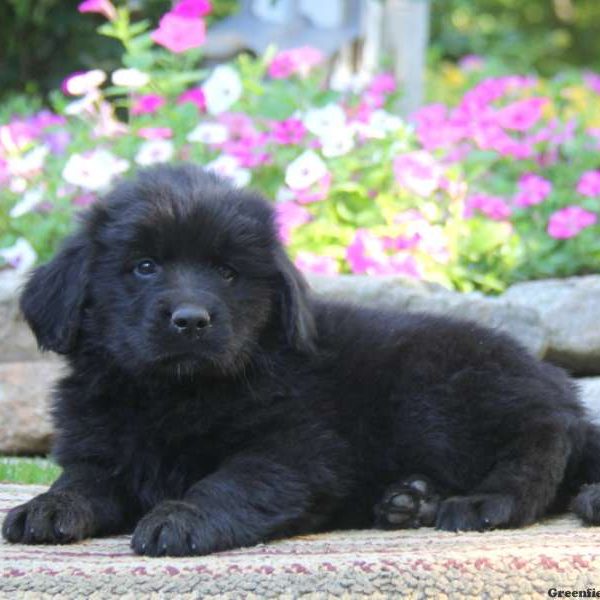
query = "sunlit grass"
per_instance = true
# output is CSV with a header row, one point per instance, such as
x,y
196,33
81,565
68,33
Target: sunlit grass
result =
x,y
27,470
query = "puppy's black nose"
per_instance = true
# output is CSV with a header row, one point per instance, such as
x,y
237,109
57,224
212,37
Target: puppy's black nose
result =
x,y
189,318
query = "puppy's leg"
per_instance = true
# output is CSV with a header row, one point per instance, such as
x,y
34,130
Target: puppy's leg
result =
x,y
84,501
519,488
409,504
251,499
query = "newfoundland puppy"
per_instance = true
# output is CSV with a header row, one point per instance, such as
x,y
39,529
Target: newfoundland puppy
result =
x,y
212,402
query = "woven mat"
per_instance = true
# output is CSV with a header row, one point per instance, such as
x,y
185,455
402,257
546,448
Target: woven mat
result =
x,y
559,553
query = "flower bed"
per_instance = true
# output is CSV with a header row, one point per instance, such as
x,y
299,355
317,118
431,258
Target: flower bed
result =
x,y
499,184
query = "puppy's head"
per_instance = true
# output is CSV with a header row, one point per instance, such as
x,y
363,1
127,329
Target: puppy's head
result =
x,y
175,272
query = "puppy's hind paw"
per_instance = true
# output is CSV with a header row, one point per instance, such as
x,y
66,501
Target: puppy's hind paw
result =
x,y
409,504
586,505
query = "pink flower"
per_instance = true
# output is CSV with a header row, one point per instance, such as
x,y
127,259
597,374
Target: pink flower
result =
x,y
592,80
178,34
523,114
288,216
384,83
589,184
195,96
418,172
367,254
155,133
533,189
248,150
316,192
296,61
85,200
192,9
569,222
103,7
148,104
239,125
313,263
493,207
288,132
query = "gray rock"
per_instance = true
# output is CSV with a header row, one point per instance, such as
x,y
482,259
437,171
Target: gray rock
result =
x,y
570,312
16,340
25,426
523,323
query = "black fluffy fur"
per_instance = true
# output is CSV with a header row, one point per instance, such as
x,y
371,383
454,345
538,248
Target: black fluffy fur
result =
x,y
287,414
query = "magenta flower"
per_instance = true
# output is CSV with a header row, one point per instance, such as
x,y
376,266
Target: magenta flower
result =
x,y
148,104
533,189
589,184
296,61
523,114
248,150
192,9
316,192
289,216
155,133
178,34
384,83
313,263
195,96
418,172
367,254
569,222
288,132
493,207
592,80
103,7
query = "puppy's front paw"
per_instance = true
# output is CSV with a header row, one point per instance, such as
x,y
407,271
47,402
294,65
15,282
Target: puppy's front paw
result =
x,y
172,528
409,504
50,518
479,512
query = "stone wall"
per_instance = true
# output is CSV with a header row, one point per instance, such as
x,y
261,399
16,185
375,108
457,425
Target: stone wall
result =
x,y
558,320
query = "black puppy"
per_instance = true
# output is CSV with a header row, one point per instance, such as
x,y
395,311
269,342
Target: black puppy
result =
x,y
212,403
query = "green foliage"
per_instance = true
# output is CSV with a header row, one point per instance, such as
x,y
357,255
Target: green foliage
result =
x,y
28,470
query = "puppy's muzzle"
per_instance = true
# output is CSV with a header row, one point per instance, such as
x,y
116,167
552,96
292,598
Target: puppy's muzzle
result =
x,y
190,319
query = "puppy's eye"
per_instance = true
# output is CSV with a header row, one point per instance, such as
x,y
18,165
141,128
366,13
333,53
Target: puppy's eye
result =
x,y
226,272
146,268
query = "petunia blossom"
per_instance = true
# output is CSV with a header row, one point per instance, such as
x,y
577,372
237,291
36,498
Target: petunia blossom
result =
x,y
322,121
209,133
533,189
222,89
20,256
103,7
308,262
493,207
82,83
155,133
589,184
194,96
295,61
229,167
337,143
289,132
147,104
289,216
192,9
418,172
179,33
154,151
31,198
523,114
93,170
306,170
130,78
570,221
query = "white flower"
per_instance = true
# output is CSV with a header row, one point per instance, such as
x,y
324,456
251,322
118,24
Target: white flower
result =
x,y
17,185
83,83
93,171
321,121
21,255
379,124
27,203
305,171
31,162
155,151
228,166
340,142
222,89
130,78
209,133
83,104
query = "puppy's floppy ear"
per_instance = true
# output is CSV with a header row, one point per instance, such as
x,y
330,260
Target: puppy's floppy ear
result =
x,y
52,301
296,312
